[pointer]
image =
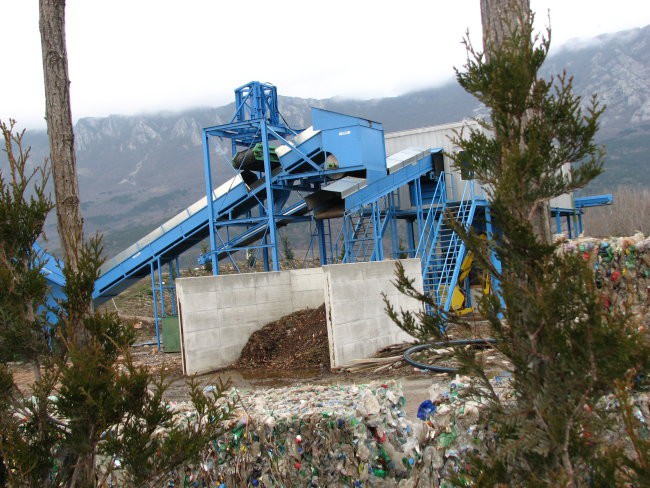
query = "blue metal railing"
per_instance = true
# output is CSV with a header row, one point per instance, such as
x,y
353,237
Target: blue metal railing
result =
x,y
361,232
446,250
365,229
430,225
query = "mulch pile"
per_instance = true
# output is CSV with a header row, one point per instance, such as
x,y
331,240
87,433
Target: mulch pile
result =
x,y
293,342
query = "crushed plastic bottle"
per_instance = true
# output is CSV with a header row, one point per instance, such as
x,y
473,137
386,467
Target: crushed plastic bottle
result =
x,y
426,410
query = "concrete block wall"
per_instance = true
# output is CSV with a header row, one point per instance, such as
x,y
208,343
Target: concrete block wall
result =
x,y
218,314
357,324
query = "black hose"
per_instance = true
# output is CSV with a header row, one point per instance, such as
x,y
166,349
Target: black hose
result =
x,y
442,369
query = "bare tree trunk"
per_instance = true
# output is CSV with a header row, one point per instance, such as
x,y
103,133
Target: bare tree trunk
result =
x,y
541,222
64,170
59,127
501,19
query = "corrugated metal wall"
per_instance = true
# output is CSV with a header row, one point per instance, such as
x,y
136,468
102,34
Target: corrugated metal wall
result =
x,y
434,137
441,136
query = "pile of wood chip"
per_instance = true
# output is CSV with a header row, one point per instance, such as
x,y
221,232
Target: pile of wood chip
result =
x,y
294,342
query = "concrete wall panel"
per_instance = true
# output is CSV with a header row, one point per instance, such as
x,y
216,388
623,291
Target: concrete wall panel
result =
x,y
357,324
307,288
218,314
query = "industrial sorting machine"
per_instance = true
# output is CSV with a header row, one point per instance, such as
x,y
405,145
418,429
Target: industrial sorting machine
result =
x,y
361,205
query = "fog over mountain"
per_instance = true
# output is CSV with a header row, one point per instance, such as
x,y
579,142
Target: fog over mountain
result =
x,y
137,171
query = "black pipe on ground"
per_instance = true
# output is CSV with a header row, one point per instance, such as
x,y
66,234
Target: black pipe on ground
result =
x,y
483,342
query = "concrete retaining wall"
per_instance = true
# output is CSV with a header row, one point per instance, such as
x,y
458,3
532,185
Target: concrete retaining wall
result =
x,y
218,314
357,324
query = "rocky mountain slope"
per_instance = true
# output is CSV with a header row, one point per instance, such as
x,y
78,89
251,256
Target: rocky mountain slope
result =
x,y
137,171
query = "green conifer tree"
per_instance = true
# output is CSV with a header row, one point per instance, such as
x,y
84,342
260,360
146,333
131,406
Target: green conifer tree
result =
x,y
91,410
23,330
565,350
287,250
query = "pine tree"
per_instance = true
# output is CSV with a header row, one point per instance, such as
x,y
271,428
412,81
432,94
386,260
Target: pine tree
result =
x,y
565,349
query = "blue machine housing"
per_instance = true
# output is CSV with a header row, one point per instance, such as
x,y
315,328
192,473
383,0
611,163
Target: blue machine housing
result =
x,y
52,270
357,144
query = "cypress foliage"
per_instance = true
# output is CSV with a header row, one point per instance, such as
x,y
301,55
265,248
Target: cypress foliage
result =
x,y
565,349
23,207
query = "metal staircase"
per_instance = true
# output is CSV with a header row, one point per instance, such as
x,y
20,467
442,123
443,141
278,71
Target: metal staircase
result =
x,y
359,247
441,249
430,224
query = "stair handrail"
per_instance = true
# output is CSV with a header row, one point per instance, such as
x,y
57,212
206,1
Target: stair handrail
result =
x,y
428,232
450,259
460,256
455,252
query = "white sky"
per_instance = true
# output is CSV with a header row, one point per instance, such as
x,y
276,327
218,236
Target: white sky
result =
x,y
133,56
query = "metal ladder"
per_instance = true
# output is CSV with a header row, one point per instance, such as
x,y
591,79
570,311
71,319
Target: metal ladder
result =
x,y
361,246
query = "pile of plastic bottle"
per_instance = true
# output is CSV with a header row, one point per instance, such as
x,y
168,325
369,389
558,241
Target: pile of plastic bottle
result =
x,y
353,436
350,435
622,270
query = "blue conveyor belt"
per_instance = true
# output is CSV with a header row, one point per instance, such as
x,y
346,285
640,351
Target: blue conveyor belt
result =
x,y
234,198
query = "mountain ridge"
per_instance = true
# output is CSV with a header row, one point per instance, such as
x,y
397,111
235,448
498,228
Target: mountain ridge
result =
x,y
137,171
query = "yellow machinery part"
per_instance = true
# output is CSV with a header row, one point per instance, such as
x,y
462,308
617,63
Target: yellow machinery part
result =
x,y
466,266
458,297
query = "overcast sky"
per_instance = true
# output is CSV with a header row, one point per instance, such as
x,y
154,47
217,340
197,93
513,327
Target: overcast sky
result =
x,y
133,56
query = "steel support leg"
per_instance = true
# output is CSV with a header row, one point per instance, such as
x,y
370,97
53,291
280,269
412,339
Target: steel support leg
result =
x,y
419,210
494,282
392,223
322,245
376,225
162,290
208,193
270,205
580,222
172,283
410,235
265,254
348,236
152,271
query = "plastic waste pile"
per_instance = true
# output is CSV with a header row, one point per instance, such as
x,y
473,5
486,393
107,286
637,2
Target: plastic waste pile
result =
x,y
622,269
354,436
350,435
453,428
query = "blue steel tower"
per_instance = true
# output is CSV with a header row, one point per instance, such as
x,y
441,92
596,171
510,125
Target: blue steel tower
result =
x,y
256,121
